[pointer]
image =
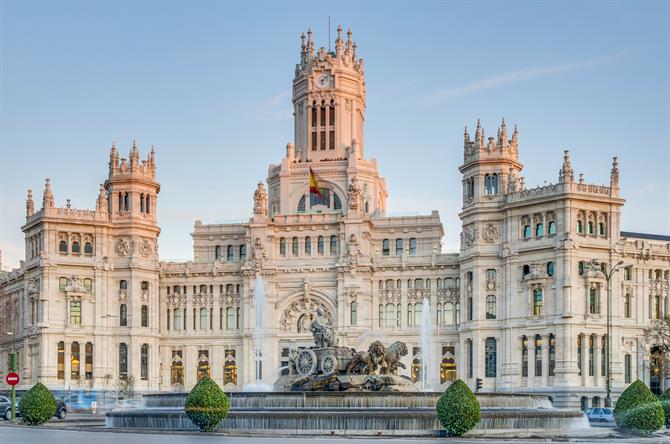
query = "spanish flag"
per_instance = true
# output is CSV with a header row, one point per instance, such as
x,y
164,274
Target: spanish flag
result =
x,y
314,184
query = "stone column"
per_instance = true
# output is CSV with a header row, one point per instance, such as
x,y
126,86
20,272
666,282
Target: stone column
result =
x,y
531,361
596,360
545,360
585,358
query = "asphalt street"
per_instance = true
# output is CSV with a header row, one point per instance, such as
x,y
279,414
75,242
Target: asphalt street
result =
x,y
22,435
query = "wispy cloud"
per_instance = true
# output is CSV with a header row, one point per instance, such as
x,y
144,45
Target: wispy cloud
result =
x,y
278,107
517,76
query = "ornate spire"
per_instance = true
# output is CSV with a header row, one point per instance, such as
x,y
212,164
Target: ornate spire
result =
x,y
30,205
478,131
310,43
260,201
466,136
349,42
614,175
101,203
354,55
511,180
515,139
48,197
339,43
503,133
566,174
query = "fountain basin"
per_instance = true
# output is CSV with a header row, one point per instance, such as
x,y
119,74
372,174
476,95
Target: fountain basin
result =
x,y
358,413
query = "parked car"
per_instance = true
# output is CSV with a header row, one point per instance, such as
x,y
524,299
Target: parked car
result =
x,y
6,408
600,414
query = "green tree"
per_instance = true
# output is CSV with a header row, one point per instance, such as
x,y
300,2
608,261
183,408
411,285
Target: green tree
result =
x,y
207,405
38,405
458,409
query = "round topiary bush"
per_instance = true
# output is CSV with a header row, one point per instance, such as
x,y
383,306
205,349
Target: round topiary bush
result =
x,y
458,409
665,403
638,409
206,406
38,405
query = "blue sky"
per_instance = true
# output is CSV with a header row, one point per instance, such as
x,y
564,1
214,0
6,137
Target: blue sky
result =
x,y
208,83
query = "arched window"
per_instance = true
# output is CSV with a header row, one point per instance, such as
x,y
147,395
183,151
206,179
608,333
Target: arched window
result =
x,y
120,201
593,301
88,284
230,368
656,307
591,356
491,275
75,247
294,246
178,321
526,231
230,318
322,114
319,245
627,305
448,365
62,246
417,314
337,203
123,315
550,269
142,203
448,314
470,314
203,319
580,268
524,356
457,313
398,247
410,315
333,245
526,270
243,253
381,315
386,249
490,307
490,357
537,301
144,362
308,246
580,227
551,228
123,359
601,229
354,313
88,248
148,209
282,246
203,364
61,360
74,360
145,316
539,230
390,315
218,252
491,184
75,311
229,253
177,368
301,204
590,228
412,246
62,283
88,361
440,320
177,289
126,202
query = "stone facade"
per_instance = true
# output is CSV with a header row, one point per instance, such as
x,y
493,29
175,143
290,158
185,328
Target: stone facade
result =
x,y
518,307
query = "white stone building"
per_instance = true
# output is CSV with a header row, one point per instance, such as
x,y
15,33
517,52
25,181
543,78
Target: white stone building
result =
x,y
518,307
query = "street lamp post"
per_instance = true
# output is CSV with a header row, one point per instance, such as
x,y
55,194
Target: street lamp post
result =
x,y
600,268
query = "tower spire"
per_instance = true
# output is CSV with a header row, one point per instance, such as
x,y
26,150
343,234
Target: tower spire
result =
x,y
48,197
614,175
566,174
503,133
30,205
310,43
339,43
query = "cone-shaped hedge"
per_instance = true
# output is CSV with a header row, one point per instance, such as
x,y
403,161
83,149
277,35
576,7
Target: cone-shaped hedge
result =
x,y
38,405
207,405
665,403
638,409
458,409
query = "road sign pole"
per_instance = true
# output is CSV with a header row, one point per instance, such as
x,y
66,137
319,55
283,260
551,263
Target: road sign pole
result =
x,y
12,363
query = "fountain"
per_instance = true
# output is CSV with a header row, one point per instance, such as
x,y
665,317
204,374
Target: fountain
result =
x,y
428,355
259,339
333,389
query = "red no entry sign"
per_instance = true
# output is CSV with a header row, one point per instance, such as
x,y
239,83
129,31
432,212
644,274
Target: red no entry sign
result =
x,y
12,378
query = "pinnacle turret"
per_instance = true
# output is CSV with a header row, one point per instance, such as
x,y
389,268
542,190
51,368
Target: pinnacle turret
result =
x,y
566,173
48,197
30,205
614,175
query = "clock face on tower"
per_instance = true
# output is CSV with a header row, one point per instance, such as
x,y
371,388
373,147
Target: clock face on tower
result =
x,y
323,81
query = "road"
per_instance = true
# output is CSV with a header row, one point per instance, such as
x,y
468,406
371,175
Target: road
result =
x,y
23,435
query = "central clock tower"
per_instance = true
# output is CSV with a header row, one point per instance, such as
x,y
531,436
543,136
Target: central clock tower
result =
x,y
329,101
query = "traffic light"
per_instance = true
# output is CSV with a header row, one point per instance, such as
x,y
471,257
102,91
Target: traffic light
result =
x,y
478,384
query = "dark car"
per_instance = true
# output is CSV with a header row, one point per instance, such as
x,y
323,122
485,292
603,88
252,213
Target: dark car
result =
x,y
6,408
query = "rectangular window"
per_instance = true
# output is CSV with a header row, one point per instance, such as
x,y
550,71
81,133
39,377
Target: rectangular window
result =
x,y
524,357
593,301
323,140
552,355
627,368
61,360
331,140
354,313
490,357
386,250
470,370
398,247
412,246
144,362
75,312
314,144
538,356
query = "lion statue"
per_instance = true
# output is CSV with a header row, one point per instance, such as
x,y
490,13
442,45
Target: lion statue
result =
x,y
392,356
367,362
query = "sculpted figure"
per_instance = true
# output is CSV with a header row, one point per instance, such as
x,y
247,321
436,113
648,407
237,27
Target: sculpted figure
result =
x,y
367,362
323,332
392,358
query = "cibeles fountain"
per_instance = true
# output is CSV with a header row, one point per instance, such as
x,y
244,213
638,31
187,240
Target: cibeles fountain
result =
x,y
334,389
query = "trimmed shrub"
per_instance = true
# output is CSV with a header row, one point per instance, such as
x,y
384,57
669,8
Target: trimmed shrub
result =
x,y
38,405
458,409
207,405
665,403
638,409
